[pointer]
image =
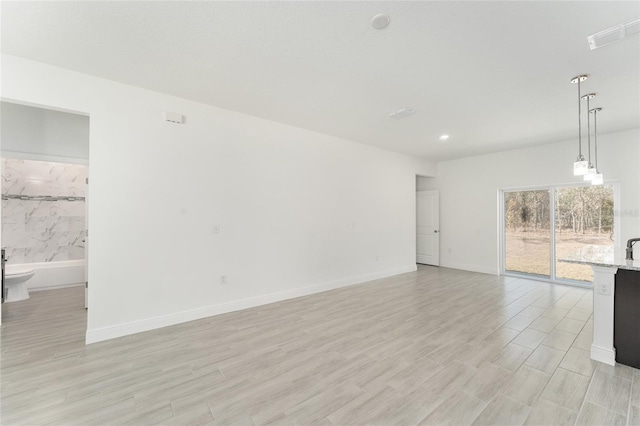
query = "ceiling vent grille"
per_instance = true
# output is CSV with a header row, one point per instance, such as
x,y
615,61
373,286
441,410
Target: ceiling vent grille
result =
x,y
402,113
613,34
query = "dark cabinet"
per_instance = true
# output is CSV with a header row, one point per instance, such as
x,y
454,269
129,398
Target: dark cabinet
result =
x,y
626,322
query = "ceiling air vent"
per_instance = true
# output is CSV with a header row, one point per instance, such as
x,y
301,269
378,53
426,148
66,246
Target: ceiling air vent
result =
x,y
402,113
614,33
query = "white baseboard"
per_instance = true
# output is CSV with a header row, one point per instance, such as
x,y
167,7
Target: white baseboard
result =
x,y
605,355
112,332
471,268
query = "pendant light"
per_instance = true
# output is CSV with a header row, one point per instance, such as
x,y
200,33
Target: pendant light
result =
x,y
598,178
591,171
580,166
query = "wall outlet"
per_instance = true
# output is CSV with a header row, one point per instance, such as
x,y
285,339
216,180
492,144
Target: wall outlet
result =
x,y
223,279
216,229
604,288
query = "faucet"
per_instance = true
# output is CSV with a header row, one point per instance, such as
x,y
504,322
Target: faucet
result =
x,y
630,244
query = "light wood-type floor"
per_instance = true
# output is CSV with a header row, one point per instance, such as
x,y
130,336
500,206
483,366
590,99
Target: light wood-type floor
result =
x,y
437,346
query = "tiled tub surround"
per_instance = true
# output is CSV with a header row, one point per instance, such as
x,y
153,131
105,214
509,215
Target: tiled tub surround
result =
x,y
36,231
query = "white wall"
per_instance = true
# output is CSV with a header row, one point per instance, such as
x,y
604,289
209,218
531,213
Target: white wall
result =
x,y
295,208
43,132
469,190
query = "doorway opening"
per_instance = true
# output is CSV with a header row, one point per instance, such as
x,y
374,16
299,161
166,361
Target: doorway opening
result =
x,y
44,158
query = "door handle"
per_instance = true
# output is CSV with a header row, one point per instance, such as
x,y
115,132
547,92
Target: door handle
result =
x,y
435,231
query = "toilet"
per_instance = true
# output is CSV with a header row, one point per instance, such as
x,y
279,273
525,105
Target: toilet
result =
x,y
15,282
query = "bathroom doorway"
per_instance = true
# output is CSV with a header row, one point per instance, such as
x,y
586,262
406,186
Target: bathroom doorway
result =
x,y
44,155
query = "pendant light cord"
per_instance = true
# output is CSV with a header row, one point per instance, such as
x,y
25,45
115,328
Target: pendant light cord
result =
x,y
579,121
595,136
589,130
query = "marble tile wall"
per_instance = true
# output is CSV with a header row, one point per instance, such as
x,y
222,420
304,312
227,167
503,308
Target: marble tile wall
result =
x,y
43,231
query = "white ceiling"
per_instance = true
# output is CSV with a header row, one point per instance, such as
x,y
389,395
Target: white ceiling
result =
x,y
493,75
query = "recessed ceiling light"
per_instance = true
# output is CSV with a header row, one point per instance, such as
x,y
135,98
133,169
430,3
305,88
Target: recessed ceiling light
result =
x,y
444,137
380,21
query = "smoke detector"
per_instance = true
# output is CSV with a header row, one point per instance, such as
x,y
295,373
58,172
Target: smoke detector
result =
x,y
380,21
402,113
613,34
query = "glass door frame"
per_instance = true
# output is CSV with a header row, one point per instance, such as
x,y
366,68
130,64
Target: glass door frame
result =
x,y
552,218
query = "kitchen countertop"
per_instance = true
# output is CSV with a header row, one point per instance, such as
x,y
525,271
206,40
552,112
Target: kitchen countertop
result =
x,y
604,256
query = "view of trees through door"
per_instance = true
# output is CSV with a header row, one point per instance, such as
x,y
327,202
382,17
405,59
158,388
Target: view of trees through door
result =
x,y
527,220
582,216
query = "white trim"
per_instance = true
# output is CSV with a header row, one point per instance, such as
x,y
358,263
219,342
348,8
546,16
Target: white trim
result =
x,y
471,268
112,332
605,355
552,234
42,106
501,232
16,155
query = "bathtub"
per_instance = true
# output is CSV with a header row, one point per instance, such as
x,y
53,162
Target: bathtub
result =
x,y
50,275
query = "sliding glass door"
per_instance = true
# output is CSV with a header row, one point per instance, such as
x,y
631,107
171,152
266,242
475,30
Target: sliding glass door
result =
x,y
582,219
527,226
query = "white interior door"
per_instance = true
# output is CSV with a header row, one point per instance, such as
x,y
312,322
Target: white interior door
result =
x,y
428,227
